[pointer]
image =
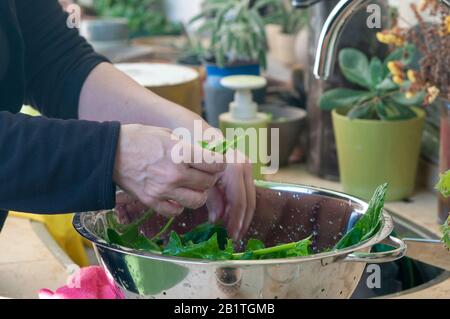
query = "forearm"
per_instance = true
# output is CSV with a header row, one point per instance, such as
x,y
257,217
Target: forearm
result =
x,y
108,94
56,166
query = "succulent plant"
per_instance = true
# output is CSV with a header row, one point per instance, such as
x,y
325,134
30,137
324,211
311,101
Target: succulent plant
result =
x,y
383,93
236,31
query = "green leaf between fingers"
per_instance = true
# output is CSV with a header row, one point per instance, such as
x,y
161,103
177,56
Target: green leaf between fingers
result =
x,y
369,223
355,67
341,97
221,146
443,185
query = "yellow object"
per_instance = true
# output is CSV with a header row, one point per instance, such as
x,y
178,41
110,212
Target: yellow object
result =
x,y
61,229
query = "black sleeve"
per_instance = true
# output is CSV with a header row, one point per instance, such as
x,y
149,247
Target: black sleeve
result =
x,y
56,166
57,58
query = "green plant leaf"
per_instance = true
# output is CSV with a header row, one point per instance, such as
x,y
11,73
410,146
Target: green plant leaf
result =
x,y
355,67
221,146
398,112
342,97
254,244
443,186
369,223
376,72
400,98
387,85
362,111
446,233
204,232
381,110
295,249
204,250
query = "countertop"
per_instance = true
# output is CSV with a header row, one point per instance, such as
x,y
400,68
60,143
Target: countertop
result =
x,y
26,263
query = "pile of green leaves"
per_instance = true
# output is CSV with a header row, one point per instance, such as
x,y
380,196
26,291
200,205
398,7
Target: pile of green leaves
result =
x,y
369,223
206,241
236,30
444,187
379,97
211,242
145,17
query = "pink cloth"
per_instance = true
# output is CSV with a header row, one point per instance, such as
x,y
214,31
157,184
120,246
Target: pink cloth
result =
x,y
86,283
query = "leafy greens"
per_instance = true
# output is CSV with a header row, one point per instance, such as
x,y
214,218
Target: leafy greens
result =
x,y
369,223
444,187
208,241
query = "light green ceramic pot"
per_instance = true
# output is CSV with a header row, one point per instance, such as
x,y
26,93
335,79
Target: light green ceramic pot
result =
x,y
373,152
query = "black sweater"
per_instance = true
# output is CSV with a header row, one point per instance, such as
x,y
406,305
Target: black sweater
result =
x,y
52,164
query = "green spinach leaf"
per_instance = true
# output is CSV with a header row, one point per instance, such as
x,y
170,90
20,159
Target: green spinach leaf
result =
x,y
369,223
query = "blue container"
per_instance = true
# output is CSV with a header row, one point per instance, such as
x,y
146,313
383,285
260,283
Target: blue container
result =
x,y
217,97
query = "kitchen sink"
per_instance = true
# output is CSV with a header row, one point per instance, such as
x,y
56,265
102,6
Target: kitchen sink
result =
x,y
403,276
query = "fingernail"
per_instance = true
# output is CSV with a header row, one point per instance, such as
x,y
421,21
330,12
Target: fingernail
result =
x,y
213,216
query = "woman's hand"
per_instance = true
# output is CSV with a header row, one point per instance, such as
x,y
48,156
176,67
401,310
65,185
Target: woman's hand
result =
x,y
233,199
145,169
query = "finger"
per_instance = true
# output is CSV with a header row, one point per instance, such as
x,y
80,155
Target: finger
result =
x,y
188,198
197,180
215,204
207,161
251,199
212,168
168,208
237,206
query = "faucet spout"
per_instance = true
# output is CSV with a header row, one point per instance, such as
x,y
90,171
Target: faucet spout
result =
x,y
331,32
327,46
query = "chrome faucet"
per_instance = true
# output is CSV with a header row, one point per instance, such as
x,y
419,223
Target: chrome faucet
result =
x,y
331,31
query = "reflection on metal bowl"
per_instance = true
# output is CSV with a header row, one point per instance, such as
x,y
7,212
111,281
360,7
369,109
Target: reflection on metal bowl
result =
x,y
284,213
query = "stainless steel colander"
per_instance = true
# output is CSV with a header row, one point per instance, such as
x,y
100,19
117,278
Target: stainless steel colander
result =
x,y
284,213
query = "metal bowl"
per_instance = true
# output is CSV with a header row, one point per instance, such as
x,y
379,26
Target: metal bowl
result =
x,y
284,213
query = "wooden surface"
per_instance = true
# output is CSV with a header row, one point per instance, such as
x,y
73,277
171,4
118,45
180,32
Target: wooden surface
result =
x,y
27,265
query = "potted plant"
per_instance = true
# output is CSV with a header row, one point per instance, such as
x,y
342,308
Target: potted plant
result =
x,y
145,17
377,126
236,45
431,73
286,34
